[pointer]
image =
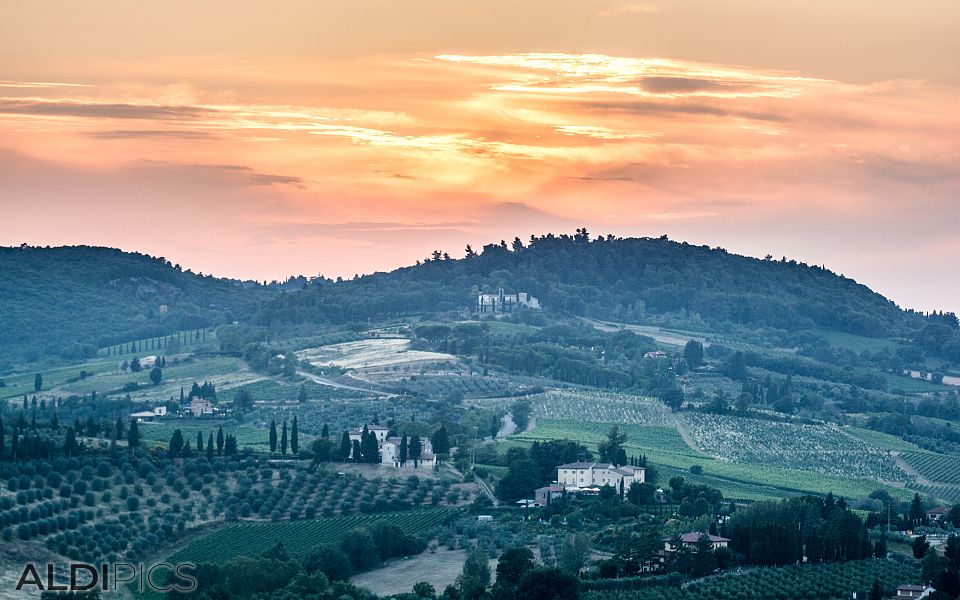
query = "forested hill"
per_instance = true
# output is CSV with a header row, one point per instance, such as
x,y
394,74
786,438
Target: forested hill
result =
x,y
612,278
65,302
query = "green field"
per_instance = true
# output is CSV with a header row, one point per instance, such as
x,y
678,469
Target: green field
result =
x,y
252,539
665,448
856,343
882,440
247,435
22,383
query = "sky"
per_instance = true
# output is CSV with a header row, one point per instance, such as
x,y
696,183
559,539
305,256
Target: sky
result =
x,y
259,140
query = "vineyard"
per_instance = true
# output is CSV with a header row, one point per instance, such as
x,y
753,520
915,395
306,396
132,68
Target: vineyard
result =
x,y
935,467
828,581
803,447
251,539
599,407
950,493
665,448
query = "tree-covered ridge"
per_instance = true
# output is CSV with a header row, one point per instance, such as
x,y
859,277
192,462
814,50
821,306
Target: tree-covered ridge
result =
x,y
613,278
65,302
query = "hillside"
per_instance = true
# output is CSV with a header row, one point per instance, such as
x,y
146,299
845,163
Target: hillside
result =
x,y
65,302
614,278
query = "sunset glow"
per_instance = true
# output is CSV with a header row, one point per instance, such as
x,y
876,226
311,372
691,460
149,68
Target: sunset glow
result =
x,y
326,138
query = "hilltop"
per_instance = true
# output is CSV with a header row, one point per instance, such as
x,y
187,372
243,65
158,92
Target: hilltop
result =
x,y
66,302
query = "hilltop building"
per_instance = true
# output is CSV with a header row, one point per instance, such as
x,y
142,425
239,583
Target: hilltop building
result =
x,y
504,303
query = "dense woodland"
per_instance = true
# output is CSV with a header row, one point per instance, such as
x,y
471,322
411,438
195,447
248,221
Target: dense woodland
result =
x,y
65,302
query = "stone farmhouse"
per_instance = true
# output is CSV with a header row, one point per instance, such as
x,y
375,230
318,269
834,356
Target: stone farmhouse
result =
x,y
504,303
586,475
200,407
390,446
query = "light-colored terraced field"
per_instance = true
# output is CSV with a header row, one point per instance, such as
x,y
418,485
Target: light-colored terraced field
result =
x,y
366,354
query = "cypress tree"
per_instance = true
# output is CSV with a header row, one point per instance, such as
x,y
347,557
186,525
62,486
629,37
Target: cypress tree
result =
x,y
345,446
403,450
133,435
210,446
356,450
199,441
220,442
294,436
2,435
283,438
414,451
176,443
273,435
325,432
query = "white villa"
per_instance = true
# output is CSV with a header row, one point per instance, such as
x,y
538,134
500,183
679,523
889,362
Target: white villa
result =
x,y
583,475
147,416
500,302
390,446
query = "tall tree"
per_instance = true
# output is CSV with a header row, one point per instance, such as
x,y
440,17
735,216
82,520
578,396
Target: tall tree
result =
x,y
415,450
210,446
273,435
133,434
345,447
302,394
199,441
403,450
325,432
156,375
440,441
611,449
230,446
176,443
37,383
693,353
70,442
294,436
356,452
2,436
220,441
283,439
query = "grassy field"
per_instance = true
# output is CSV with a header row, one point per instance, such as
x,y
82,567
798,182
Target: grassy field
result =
x,y
856,343
22,383
252,539
665,448
247,435
882,440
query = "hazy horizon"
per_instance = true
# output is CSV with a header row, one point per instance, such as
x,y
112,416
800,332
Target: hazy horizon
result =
x,y
304,138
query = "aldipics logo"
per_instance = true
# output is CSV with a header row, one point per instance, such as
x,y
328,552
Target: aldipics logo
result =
x,y
82,577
